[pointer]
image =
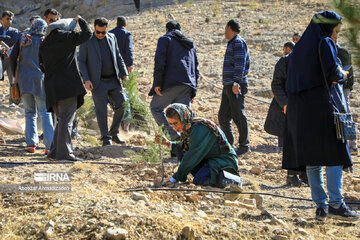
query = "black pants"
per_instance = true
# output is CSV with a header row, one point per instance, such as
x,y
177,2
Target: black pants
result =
x,y
233,108
137,4
108,91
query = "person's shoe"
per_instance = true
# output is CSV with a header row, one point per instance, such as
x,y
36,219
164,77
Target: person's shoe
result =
x,y
117,139
321,214
241,151
354,151
303,177
106,142
46,152
294,181
75,159
30,148
50,158
343,213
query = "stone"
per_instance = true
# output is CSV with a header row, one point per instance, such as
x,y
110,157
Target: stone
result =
x,y
49,229
158,182
201,213
259,200
279,237
256,170
250,201
302,231
188,233
357,188
116,234
138,196
277,221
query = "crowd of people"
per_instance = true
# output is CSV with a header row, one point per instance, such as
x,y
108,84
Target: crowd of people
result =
x,y
53,77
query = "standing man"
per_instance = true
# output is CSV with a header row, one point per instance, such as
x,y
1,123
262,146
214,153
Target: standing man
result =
x,y
235,69
175,74
64,88
9,36
103,69
124,40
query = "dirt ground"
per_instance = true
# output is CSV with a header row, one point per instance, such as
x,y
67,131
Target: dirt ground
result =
x,y
99,203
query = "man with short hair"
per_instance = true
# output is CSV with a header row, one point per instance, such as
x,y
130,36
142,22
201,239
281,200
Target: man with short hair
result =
x,y
235,69
9,36
103,69
175,74
124,40
51,15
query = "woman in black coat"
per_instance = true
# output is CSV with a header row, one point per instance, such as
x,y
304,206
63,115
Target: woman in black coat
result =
x,y
63,84
310,138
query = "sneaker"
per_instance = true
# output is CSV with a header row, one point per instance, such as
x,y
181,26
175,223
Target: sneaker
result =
x,y
294,181
343,213
46,152
321,214
30,148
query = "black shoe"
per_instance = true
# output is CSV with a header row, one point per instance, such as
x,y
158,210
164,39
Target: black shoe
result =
x,y
294,181
117,139
303,177
343,213
75,159
106,142
241,151
321,214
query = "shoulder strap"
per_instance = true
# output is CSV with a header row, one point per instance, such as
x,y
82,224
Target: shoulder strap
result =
x,y
322,68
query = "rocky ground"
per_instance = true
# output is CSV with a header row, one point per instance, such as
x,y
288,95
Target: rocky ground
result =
x,y
98,206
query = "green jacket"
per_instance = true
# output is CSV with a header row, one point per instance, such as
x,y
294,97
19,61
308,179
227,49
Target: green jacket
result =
x,y
204,147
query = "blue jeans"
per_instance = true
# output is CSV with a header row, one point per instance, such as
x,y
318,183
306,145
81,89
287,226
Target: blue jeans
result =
x,y
33,105
333,182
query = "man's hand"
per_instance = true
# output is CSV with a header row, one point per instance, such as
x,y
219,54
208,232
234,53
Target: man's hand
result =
x,y
285,107
235,88
77,18
158,90
130,69
88,85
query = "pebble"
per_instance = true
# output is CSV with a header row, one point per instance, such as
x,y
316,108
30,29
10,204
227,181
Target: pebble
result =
x,y
279,237
187,233
256,170
49,229
116,234
138,196
302,231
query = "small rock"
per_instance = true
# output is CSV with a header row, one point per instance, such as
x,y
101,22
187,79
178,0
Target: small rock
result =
x,y
256,170
49,229
279,237
188,233
250,201
158,182
138,196
302,231
259,200
116,234
201,213
277,221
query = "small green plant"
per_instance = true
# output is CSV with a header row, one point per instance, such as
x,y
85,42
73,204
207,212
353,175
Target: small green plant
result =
x,y
142,118
87,110
216,8
90,139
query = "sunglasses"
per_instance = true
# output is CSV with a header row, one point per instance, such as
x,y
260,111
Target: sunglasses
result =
x,y
98,32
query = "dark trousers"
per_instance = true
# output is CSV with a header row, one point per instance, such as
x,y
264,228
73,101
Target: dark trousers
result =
x,y
108,91
61,146
233,108
137,4
176,94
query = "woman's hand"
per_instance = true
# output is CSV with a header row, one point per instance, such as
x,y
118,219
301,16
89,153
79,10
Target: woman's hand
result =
x,y
164,140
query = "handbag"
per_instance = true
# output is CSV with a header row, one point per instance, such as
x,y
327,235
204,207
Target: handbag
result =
x,y
14,88
344,124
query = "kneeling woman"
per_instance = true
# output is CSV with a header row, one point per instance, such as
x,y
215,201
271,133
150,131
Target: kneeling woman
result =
x,y
206,150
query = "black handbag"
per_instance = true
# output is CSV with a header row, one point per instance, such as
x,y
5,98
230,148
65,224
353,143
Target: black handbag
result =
x,y
344,124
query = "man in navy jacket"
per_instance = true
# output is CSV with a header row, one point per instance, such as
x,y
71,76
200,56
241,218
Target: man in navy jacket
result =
x,y
124,39
175,74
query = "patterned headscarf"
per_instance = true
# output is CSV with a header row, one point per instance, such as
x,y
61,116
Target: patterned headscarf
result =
x,y
189,120
38,27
